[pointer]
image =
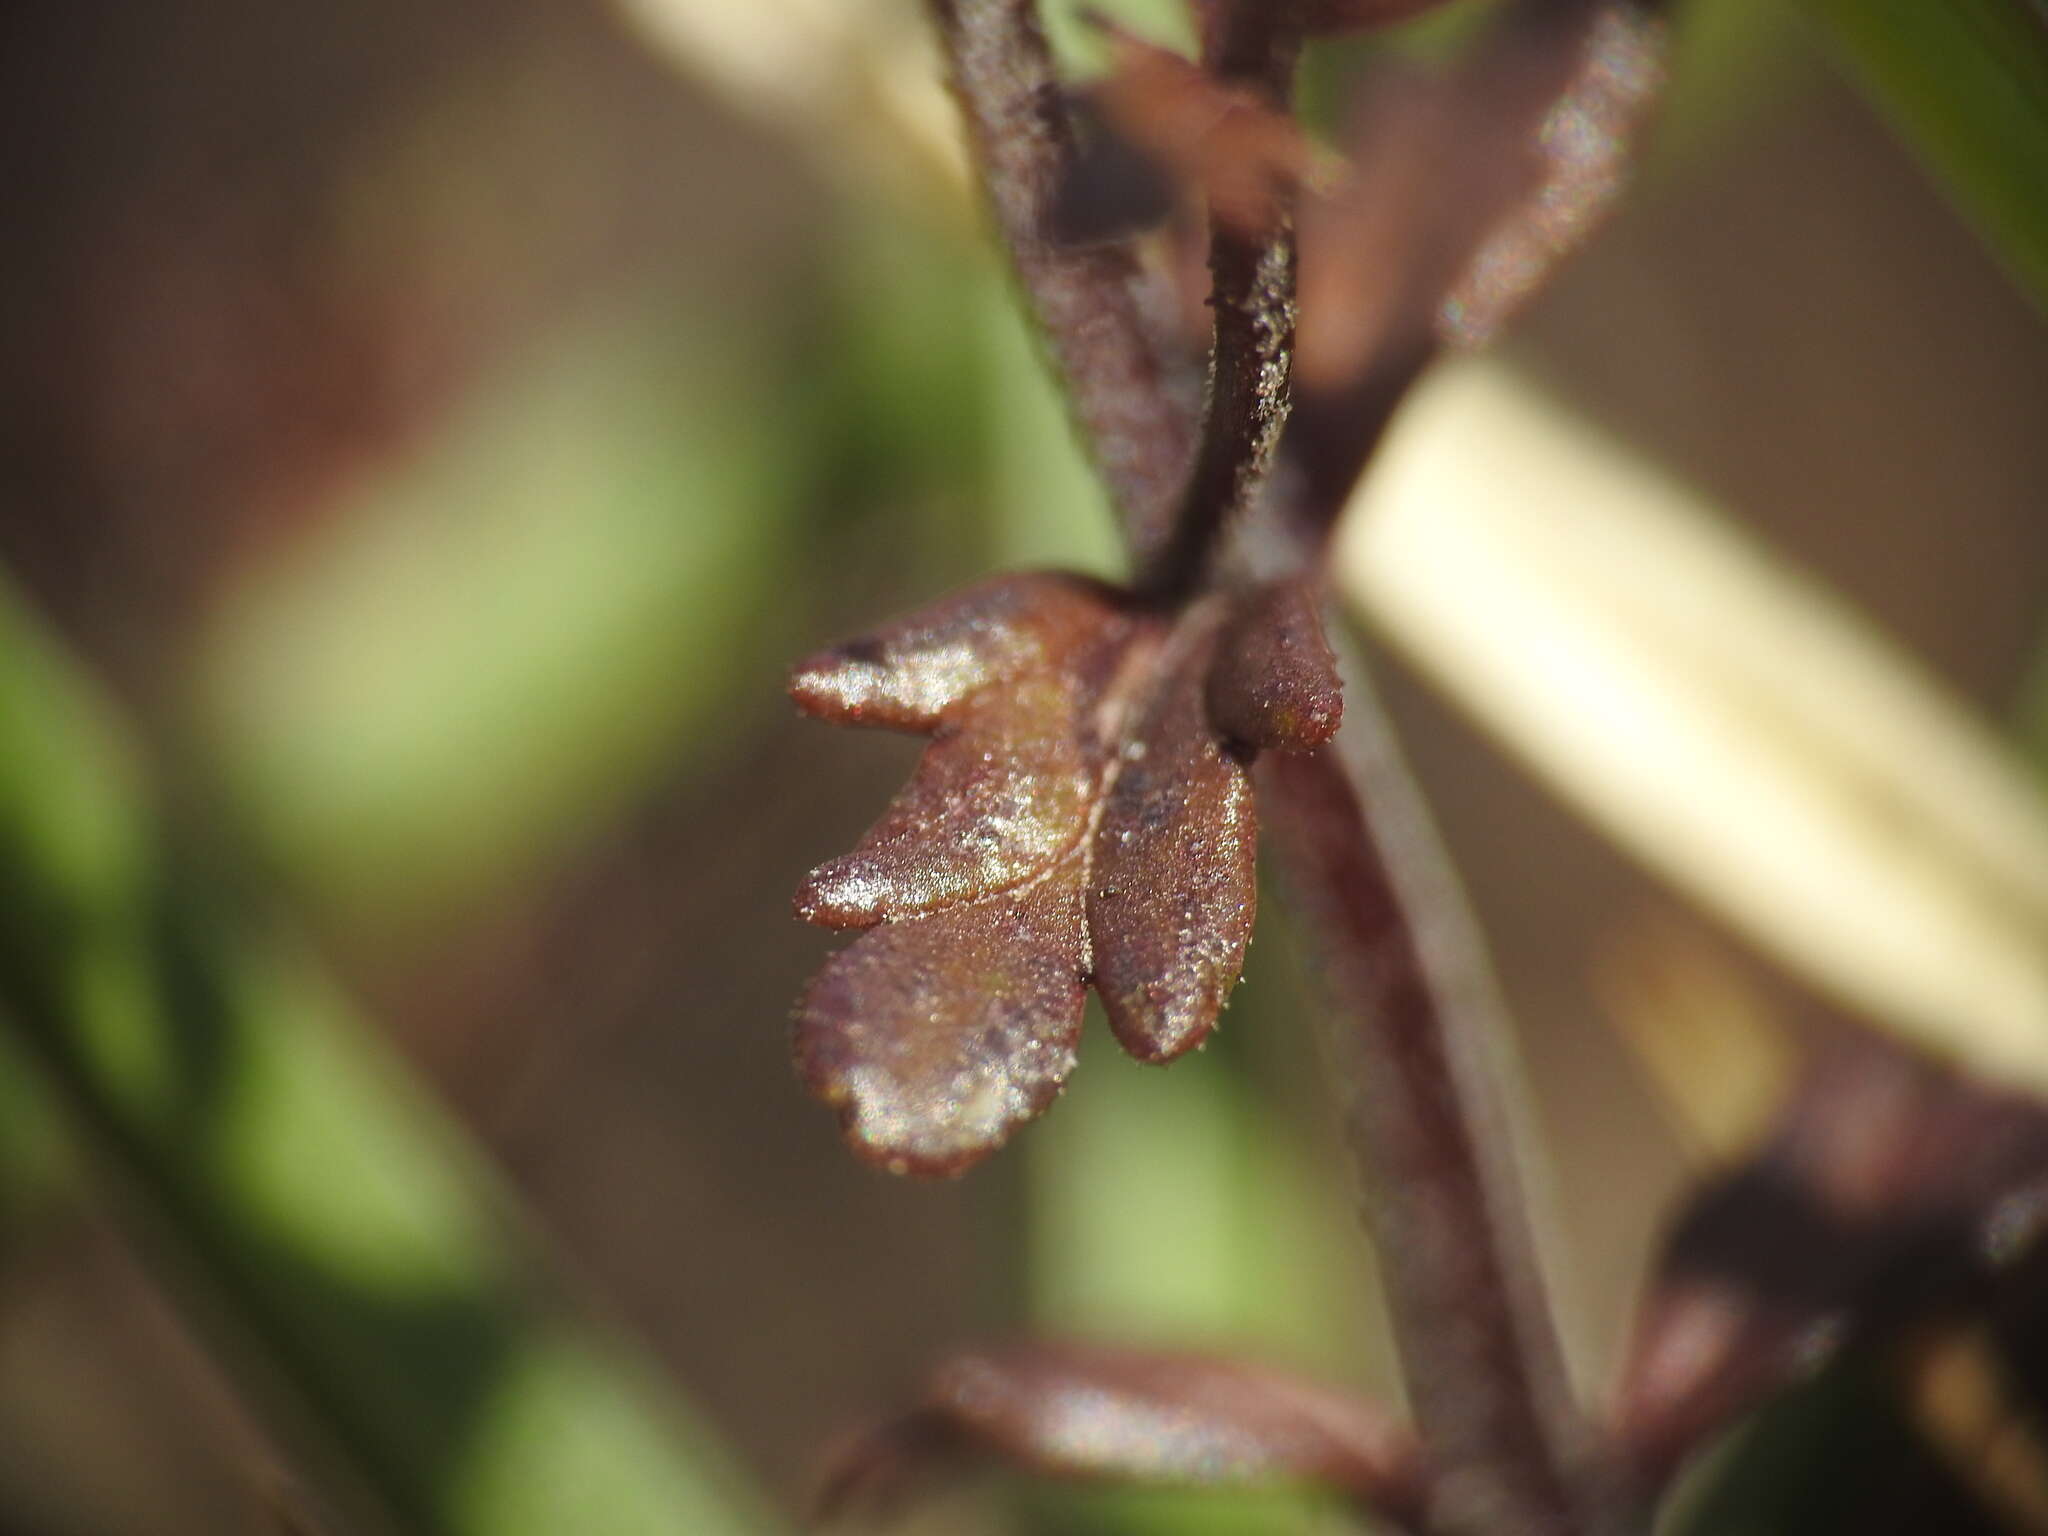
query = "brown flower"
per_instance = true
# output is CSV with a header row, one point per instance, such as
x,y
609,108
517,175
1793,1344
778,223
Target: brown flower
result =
x,y
1082,816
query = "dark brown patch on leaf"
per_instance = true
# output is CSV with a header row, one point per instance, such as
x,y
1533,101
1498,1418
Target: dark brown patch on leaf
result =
x,y
1174,888
1134,1416
1274,683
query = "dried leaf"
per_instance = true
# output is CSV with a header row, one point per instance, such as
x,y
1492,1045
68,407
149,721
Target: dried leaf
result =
x,y
1077,816
1094,1412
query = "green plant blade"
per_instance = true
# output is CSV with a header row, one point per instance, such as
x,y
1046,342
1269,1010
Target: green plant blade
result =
x,y
365,1272
1966,82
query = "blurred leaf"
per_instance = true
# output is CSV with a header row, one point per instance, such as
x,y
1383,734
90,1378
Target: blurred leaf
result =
x,y
2033,717
363,1268
35,1162
1726,721
1834,1455
1136,1417
1966,82
500,638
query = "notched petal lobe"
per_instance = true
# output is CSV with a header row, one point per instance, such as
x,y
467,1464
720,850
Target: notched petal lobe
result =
x,y
935,1037
1173,889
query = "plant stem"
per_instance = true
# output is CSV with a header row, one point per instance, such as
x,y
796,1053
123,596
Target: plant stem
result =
x,y
1412,1025
1253,301
1525,142
1085,299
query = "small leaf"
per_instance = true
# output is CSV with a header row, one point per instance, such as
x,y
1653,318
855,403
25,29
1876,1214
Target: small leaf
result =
x,y
994,802
1131,1416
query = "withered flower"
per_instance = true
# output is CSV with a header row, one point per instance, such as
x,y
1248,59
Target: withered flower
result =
x,y
1082,816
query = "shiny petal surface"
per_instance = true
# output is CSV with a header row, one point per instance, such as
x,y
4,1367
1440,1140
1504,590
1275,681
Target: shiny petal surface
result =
x,y
935,1037
1173,888
994,802
1077,816
1274,683
910,675
1088,1411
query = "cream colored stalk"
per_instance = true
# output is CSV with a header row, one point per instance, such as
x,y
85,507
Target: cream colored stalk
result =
x,y
1720,716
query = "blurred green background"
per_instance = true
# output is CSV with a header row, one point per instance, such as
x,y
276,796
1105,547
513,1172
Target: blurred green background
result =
x,y
428,433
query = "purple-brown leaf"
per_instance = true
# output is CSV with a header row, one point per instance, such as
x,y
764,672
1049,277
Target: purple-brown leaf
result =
x,y
994,802
1174,888
1132,1416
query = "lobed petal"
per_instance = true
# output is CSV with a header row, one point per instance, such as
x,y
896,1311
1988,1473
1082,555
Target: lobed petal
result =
x,y
935,1037
1173,888
912,674
995,801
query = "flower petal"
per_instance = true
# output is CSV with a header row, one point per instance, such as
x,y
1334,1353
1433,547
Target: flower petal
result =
x,y
935,1037
993,803
912,674
1173,888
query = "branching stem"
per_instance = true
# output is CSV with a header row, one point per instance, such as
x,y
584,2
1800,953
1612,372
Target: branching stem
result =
x,y
1085,300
